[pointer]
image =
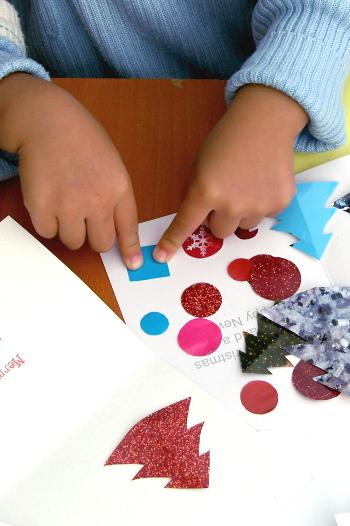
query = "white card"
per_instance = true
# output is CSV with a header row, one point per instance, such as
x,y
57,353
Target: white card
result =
x,y
268,478
76,395
337,255
220,373
343,519
74,380
62,352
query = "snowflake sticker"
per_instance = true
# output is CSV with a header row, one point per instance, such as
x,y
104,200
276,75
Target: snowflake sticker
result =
x,y
202,243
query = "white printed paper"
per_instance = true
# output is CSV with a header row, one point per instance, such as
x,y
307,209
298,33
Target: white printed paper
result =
x,y
220,372
62,352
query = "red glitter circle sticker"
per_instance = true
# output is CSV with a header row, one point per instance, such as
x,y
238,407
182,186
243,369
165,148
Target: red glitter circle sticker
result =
x,y
272,278
201,300
199,337
259,397
303,380
241,233
202,243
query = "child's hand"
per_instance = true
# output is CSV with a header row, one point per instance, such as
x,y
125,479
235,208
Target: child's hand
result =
x,y
244,171
73,180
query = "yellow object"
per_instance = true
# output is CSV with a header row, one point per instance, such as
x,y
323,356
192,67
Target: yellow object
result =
x,y
304,161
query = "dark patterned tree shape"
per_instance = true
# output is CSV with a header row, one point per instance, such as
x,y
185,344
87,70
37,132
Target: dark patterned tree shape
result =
x,y
267,349
343,203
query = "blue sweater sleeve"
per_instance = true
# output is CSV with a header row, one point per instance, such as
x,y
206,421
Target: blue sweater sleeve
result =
x,y
13,59
303,50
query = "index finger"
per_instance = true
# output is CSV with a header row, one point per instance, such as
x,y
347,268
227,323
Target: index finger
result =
x,y
191,214
126,225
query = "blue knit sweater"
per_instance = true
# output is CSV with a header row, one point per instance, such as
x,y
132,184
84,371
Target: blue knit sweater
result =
x,y
301,47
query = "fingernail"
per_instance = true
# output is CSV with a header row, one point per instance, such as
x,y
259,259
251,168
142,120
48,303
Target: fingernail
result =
x,y
135,261
160,255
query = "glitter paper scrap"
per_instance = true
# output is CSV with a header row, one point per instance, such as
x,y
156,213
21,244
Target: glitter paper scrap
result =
x,y
163,444
241,233
199,337
259,397
343,203
267,349
201,300
321,316
272,278
303,379
154,323
150,269
202,243
307,216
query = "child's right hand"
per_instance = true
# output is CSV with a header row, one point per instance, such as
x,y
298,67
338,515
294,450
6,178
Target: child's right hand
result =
x,y
73,180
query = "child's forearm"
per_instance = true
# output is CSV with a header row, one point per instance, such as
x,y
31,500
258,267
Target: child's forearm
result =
x,y
19,96
23,99
271,109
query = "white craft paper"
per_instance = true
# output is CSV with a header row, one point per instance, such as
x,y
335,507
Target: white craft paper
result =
x,y
337,255
343,519
76,395
268,478
62,352
220,373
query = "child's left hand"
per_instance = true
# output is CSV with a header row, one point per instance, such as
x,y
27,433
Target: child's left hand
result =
x,y
244,171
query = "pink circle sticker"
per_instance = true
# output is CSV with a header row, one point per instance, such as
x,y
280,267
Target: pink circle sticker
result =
x,y
199,337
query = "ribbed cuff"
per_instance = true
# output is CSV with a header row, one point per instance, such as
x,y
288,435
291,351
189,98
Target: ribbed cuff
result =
x,y
10,26
13,61
8,166
310,72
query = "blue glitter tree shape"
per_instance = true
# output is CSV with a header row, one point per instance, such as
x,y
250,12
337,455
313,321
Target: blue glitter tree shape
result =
x,y
307,216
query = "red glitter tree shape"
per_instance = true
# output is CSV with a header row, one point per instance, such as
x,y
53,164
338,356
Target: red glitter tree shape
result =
x,y
166,448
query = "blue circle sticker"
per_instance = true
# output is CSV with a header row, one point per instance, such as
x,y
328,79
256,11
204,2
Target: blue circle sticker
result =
x,y
154,323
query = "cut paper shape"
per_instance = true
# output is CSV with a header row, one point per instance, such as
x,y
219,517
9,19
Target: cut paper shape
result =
x,y
321,316
259,397
202,243
154,323
241,233
307,216
163,444
199,337
201,300
303,379
150,269
343,203
267,349
271,277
